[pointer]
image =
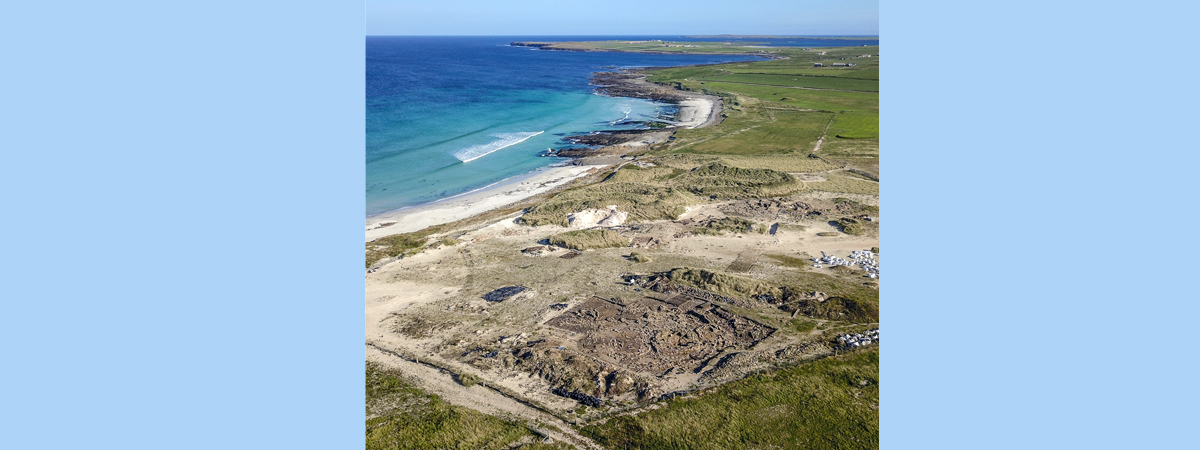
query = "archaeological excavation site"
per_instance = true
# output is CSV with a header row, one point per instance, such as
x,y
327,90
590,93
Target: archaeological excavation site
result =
x,y
584,324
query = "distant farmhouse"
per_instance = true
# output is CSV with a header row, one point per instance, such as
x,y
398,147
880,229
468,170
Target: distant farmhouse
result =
x,y
818,65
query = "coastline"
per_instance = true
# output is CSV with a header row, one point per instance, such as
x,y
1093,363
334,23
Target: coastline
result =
x,y
551,46
695,111
462,206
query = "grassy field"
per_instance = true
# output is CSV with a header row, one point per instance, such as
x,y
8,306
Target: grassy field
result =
x,y
401,416
781,107
660,47
781,132
829,404
799,81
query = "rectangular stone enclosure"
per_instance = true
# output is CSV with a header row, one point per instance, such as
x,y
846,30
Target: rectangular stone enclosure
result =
x,y
653,336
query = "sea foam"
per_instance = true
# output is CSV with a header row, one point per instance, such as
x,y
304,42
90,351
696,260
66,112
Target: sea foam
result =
x,y
506,140
627,109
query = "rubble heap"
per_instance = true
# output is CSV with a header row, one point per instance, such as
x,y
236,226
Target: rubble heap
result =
x,y
662,284
848,341
503,293
578,396
864,259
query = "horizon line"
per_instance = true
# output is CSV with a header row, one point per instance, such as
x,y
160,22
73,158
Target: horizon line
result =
x,y
680,35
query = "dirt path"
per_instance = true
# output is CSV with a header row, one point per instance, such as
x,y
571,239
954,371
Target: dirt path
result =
x,y
821,139
480,398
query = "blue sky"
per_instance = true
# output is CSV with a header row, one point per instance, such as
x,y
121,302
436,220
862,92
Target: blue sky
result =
x,y
657,17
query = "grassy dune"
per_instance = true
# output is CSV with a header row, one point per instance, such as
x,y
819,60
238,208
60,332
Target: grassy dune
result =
x,y
662,192
585,239
848,300
643,201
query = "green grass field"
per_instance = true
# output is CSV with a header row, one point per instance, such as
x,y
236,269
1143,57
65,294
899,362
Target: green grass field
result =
x,y
401,416
829,404
781,107
803,81
780,132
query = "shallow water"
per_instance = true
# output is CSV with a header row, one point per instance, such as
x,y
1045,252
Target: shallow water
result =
x,y
446,115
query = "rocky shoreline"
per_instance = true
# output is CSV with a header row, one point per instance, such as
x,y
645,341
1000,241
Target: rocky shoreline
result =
x,y
634,85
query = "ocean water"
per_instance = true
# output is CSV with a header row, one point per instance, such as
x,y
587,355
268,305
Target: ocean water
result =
x,y
448,115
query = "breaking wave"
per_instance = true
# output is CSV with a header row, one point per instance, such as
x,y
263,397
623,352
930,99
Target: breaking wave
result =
x,y
506,140
627,109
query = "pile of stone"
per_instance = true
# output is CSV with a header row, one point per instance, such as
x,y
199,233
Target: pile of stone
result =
x,y
864,259
671,395
848,341
646,242
579,396
503,293
541,250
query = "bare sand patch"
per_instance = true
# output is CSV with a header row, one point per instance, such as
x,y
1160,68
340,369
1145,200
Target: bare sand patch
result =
x,y
473,203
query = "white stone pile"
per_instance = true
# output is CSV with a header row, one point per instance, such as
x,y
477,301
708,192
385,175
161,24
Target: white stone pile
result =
x,y
864,259
859,339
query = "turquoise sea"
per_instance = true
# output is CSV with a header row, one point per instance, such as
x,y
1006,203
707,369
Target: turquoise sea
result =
x,y
448,115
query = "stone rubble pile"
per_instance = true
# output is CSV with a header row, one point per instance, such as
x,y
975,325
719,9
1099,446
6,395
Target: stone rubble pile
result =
x,y
847,341
671,395
579,397
864,259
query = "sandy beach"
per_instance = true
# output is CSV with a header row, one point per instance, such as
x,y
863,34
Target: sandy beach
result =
x,y
694,112
476,202
698,112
